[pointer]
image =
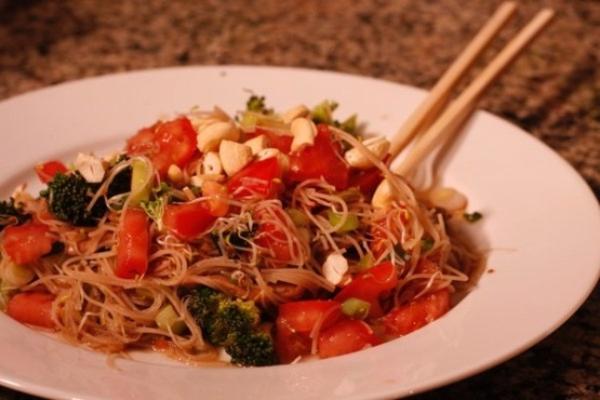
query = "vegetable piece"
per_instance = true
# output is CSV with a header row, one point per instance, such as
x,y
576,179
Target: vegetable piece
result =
x,y
322,160
141,182
366,180
155,210
346,337
33,308
165,143
27,243
15,276
46,171
280,141
133,244
322,113
351,223
295,322
289,344
257,104
218,203
365,262
167,319
231,323
11,214
68,198
356,308
188,220
298,217
472,217
252,349
349,125
260,180
371,285
407,318
301,316
271,236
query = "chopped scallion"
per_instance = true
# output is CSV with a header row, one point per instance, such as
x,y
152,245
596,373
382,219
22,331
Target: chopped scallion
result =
x,y
356,308
351,223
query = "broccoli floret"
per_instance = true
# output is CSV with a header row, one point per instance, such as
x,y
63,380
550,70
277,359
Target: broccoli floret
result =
x,y
68,197
10,214
233,324
232,317
257,104
252,349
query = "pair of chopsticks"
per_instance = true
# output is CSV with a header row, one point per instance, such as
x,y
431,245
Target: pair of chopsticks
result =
x,y
435,131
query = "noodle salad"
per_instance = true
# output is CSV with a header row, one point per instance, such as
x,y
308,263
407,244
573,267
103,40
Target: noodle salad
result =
x,y
256,240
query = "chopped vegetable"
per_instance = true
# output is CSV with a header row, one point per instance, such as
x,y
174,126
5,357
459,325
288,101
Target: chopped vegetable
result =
x,y
141,182
133,244
27,243
351,223
416,314
165,143
188,220
356,308
298,217
168,320
366,262
68,199
257,104
322,113
34,308
155,209
15,276
346,337
49,169
232,324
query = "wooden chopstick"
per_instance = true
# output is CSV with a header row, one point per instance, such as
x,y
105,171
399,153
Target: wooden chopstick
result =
x,y
422,116
440,129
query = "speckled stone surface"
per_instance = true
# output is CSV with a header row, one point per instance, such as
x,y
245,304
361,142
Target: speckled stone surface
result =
x,y
553,91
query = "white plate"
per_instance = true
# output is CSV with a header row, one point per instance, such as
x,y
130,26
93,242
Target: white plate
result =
x,y
542,222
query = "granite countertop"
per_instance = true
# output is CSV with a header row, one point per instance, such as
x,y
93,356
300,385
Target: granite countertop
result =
x,y
553,91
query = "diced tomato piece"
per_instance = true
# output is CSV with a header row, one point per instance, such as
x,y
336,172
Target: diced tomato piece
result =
x,y
302,316
371,285
290,345
260,179
271,236
366,180
324,160
296,320
188,220
33,308
47,170
133,244
27,243
165,143
218,204
416,314
280,141
346,337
